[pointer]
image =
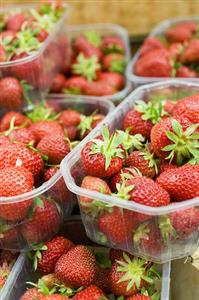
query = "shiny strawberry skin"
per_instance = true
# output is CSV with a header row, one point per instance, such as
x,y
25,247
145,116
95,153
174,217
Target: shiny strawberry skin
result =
x,y
77,267
191,52
91,292
11,93
83,46
150,43
136,159
181,183
99,88
22,135
188,108
58,83
32,294
117,178
69,117
42,128
134,120
139,297
165,166
101,279
55,249
15,22
114,79
75,84
19,120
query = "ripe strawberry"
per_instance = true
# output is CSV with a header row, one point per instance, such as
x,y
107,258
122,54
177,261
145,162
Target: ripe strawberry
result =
x,y
54,297
129,275
114,62
191,52
8,33
99,88
115,254
32,294
12,154
181,183
15,181
181,32
44,222
83,45
55,147
42,35
125,173
58,83
4,140
77,267
11,93
15,22
91,292
168,106
101,279
147,238
19,120
9,256
104,156
150,43
69,117
155,63
111,44
22,135
9,236
139,297
188,108
41,129
144,161
164,165
137,124
184,71
114,79
75,85
175,50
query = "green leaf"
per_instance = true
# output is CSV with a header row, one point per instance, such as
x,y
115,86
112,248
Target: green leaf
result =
x,y
93,37
174,138
177,128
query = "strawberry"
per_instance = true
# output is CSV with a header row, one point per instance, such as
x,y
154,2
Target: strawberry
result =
x,y
139,297
129,275
41,129
125,173
4,140
115,254
12,154
32,294
11,93
184,71
55,147
83,45
9,256
15,181
69,117
174,139
150,43
181,183
9,236
99,88
114,79
168,106
181,32
15,22
75,85
164,165
147,238
101,279
45,256
19,120
44,222
58,83
42,35
144,161
191,51
104,156
111,44
175,50
155,63
54,297
188,108
3,56
77,267
114,62
91,292
22,135
88,123
10,34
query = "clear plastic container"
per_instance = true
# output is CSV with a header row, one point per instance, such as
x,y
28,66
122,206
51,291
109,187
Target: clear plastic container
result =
x,y
74,230
106,29
39,68
20,235
157,31
175,248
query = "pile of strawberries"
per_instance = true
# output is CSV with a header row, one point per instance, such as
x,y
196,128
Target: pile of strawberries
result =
x,y
96,68
173,54
32,146
81,273
153,160
7,260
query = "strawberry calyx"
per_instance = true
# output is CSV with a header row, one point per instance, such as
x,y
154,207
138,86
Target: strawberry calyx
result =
x,y
185,144
26,89
42,287
86,67
43,21
129,141
85,124
112,48
136,270
142,232
53,9
35,254
123,190
26,41
93,38
5,270
166,229
40,112
101,238
117,66
72,91
11,127
147,155
96,208
67,291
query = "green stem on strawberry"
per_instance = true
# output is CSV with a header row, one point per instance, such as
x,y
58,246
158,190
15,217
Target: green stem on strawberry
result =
x,y
118,66
129,141
93,38
26,89
36,253
41,112
166,229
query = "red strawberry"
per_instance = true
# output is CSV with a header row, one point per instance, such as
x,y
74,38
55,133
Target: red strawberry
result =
x,y
181,183
12,154
69,117
54,297
19,120
50,253
115,254
11,93
15,22
114,79
101,279
188,108
125,173
175,50
15,181
184,71
22,135
139,297
129,275
155,63
9,256
44,222
103,157
111,44
9,236
181,32
99,88
77,267
75,85
42,35
8,33
114,62
150,43
58,83
3,56
32,294
41,129
168,106
55,147
191,52
147,238
165,166
91,292
82,45
4,140
134,120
